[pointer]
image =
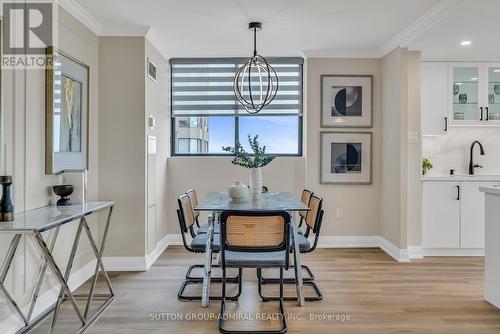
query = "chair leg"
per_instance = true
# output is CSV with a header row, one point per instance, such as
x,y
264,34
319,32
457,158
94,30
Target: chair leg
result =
x,y
275,280
283,326
187,282
212,279
222,303
318,295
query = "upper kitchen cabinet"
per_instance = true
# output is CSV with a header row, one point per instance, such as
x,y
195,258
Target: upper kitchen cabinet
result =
x,y
493,100
465,91
472,96
434,97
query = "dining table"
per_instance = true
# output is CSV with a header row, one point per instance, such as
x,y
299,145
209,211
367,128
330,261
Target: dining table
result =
x,y
216,202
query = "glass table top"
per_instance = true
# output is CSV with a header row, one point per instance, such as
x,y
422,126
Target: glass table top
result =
x,y
47,217
219,201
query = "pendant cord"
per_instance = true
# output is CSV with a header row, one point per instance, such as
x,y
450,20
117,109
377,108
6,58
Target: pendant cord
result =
x,y
254,42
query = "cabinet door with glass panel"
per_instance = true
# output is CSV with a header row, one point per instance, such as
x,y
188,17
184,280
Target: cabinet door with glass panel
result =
x,y
492,104
466,105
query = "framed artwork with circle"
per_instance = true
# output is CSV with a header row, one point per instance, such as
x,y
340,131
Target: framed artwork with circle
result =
x,y
345,157
346,101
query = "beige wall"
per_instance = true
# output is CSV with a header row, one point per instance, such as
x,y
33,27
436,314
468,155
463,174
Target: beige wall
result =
x,y
24,114
400,188
122,149
217,174
158,104
361,203
414,199
393,84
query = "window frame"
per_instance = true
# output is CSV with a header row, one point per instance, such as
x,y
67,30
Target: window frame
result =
x,y
300,141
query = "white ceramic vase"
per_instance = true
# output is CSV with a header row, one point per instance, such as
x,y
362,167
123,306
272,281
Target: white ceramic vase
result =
x,y
256,183
238,191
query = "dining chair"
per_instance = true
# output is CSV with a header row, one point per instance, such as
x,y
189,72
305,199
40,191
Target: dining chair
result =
x,y
304,198
203,228
254,239
313,222
196,243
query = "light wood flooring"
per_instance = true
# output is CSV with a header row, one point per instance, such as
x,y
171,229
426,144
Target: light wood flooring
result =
x,y
377,294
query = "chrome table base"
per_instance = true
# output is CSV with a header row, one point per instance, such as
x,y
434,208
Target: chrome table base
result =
x,y
65,294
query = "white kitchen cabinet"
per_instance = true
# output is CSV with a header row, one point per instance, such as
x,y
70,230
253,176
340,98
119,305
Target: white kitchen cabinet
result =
x,y
492,109
441,215
473,99
434,97
453,215
472,214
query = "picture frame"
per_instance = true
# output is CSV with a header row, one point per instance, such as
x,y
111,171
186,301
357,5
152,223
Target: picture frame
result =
x,y
346,158
346,101
66,113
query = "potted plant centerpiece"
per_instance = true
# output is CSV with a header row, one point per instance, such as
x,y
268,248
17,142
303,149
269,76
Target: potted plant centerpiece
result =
x,y
254,161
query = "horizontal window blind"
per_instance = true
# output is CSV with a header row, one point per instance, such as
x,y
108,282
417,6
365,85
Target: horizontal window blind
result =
x,y
204,87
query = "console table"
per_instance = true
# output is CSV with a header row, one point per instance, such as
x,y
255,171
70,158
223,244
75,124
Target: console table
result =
x,y
49,219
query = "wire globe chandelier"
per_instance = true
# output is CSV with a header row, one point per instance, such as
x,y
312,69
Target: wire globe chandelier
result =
x,y
256,82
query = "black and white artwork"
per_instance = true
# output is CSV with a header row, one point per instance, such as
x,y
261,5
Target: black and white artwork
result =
x,y
346,158
346,100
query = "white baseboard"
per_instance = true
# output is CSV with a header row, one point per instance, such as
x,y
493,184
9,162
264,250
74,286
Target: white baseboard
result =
x,y
415,252
48,298
453,251
348,241
398,254
125,263
141,263
368,241
160,248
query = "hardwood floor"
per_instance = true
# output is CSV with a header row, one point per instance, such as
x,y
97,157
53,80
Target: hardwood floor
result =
x,y
377,294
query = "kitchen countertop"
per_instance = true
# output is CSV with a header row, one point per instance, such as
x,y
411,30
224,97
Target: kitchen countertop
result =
x,y
490,190
460,177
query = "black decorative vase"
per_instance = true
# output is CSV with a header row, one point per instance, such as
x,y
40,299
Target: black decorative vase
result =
x,y
63,190
6,204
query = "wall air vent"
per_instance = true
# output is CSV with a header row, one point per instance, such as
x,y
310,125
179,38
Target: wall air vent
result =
x,y
152,71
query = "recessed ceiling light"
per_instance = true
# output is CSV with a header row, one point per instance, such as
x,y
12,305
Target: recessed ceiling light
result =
x,y
473,79
465,43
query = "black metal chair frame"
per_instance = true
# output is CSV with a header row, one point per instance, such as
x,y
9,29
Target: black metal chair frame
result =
x,y
307,281
189,280
284,246
302,218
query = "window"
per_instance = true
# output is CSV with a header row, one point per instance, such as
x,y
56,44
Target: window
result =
x,y
207,116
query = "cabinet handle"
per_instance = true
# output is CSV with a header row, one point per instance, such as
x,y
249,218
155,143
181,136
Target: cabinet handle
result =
x,y
446,124
458,193
481,110
487,114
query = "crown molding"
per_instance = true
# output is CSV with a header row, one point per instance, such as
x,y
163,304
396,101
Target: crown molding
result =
x,y
81,15
361,54
420,25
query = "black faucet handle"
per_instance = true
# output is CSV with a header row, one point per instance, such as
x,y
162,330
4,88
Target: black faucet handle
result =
x,y
477,166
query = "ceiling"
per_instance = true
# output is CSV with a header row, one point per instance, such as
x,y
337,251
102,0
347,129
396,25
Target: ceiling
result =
x,y
474,20
198,28
314,28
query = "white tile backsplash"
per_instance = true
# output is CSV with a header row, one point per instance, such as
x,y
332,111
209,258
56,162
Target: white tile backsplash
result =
x,y
451,151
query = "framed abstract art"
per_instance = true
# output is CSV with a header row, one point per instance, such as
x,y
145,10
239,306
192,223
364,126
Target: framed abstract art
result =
x,y
345,157
346,101
66,115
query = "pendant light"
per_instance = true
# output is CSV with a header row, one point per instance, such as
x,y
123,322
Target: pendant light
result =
x,y
256,82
